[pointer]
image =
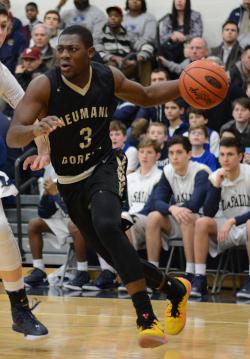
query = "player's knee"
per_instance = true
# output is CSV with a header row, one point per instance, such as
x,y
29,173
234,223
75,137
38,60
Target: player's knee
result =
x,y
154,218
106,226
202,224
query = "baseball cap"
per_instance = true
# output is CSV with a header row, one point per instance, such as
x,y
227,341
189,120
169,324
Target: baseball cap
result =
x,y
115,8
31,53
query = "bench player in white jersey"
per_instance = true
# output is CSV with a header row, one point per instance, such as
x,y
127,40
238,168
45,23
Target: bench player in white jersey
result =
x,y
175,203
24,320
228,192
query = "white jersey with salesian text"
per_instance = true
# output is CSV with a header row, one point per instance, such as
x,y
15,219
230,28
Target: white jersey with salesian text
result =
x,y
183,186
10,90
140,188
235,195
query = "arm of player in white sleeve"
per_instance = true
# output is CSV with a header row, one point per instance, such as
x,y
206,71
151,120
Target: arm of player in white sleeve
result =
x,y
10,90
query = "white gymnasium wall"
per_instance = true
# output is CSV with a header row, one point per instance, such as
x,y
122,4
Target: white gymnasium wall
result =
x,y
214,12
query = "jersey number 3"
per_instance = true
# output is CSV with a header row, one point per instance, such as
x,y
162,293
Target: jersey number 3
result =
x,y
86,133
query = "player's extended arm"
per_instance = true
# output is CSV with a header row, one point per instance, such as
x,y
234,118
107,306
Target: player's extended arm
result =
x,y
23,128
152,95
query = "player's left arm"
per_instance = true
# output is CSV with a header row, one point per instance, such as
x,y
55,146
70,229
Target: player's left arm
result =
x,y
144,96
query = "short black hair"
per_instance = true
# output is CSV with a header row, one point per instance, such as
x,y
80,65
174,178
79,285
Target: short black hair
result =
x,y
4,10
143,6
32,4
197,111
232,142
231,130
82,32
242,101
232,22
52,12
180,140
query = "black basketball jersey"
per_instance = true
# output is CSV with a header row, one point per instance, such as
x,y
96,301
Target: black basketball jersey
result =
x,y
84,140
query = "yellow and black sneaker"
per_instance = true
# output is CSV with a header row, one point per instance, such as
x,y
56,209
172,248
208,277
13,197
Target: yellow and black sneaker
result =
x,y
175,316
151,334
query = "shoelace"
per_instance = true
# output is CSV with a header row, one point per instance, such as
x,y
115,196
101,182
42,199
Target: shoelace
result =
x,y
175,309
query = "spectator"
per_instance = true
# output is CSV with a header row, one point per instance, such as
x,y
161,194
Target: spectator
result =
x,y
12,47
228,189
31,67
178,28
241,16
173,111
155,113
198,136
40,37
186,181
241,120
229,51
240,71
200,117
16,23
83,14
197,50
142,26
53,219
31,10
52,20
157,131
115,46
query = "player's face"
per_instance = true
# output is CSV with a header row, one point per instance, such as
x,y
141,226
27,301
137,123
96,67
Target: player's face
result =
x,y
51,21
229,158
230,33
241,114
157,133
74,57
178,157
197,137
117,138
31,13
147,156
3,28
158,77
196,119
172,111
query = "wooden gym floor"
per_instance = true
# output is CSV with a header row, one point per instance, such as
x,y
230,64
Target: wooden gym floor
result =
x,y
102,328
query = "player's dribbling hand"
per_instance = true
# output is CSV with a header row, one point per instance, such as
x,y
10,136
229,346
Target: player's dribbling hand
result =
x,y
225,229
220,176
36,162
46,125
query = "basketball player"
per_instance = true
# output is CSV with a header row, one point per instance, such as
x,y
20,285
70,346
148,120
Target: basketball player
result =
x,y
229,189
10,260
76,101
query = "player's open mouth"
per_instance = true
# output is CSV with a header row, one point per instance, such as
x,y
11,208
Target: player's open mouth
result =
x,y
65,66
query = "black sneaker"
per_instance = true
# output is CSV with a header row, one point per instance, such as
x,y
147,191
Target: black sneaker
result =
x,y
199,286
188,276
244,292
81,278
37,277
106,280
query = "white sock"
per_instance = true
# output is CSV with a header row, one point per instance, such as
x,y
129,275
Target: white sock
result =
x,y
82,266
200,268
14,286
38,263
154,263
104,265
189,267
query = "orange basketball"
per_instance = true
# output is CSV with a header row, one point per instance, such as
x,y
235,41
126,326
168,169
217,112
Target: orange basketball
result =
x,y
203,84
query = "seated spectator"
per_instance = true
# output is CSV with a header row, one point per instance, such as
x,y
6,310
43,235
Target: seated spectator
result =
x,y
228,189
198,136
16,23
230,133
52,20
240,72
40,38
241,16
177,28
173,111
229,51
31,11
115,46
31,67
241,120
157,131
197,50
117,133
142,27
53,219
12,47
155,113
82,13
200,117
186,181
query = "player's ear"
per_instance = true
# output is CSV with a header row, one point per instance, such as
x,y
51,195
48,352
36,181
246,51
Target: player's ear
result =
x,y
91,52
